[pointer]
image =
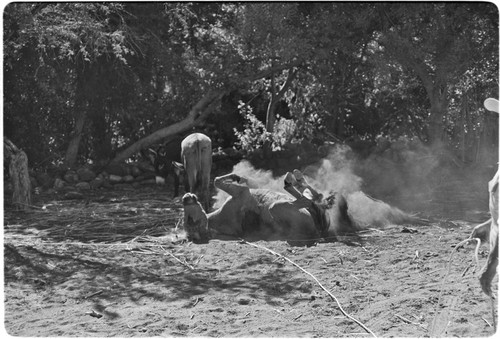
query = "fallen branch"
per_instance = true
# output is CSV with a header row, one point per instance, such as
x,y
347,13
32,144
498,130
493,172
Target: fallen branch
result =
x,y
409,321
317,281
179,260
93,294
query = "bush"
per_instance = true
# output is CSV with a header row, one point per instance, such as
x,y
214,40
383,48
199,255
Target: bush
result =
x,y
254,134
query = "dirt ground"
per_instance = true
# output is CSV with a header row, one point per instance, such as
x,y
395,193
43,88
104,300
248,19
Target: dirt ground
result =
x,y
113,264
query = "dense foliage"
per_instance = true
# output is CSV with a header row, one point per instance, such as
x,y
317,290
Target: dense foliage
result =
x,y
99,81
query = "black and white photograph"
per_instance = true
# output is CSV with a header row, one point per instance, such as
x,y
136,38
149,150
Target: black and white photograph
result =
x,y
274,169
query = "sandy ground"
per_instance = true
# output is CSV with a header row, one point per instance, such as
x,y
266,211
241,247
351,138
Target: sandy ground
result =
x,y
394,281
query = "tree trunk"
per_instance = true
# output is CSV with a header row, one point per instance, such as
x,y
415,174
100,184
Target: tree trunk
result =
x,y
439,106
197,114
74,144
465,126
18,171
276,97
273,103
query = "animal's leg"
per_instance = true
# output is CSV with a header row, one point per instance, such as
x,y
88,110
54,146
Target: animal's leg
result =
x,y
231,183
176,185
205,187
303,185
290,186
491,265
195,219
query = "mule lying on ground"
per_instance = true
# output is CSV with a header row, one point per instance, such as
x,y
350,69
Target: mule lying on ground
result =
x,y
257,213
196,155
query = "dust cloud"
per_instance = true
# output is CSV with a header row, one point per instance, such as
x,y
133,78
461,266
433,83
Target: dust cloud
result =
x,y
391,183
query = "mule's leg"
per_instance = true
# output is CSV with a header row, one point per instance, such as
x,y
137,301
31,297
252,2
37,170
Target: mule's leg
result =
x,y
291,186
176,184
231,183
303,185
195,219
205,190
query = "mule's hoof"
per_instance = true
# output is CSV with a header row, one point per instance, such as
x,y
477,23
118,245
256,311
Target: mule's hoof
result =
x,y
290,179
299,177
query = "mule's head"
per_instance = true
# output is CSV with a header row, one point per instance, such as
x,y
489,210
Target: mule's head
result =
x,y
195,219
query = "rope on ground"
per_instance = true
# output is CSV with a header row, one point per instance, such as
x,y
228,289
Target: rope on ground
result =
x,y
317,281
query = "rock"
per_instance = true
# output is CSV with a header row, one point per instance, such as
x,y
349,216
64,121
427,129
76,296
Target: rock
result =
x,y
45,180
115,179
146,176
71,177
59,183
73,195
103,175
96,183
159,180
86,174
148,182
145,166
83,185
115,169
107,184
68,188
128,178
126,187
127,170
136,171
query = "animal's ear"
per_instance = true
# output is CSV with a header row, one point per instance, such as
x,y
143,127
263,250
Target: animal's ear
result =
x,y
178,168
152,155
162,151
178,165
491,104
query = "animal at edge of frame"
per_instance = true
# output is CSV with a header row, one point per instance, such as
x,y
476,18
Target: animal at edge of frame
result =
x,y
488,230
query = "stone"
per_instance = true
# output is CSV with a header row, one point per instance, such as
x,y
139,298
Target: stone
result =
x,y
71,177
83,185
145,176
86,174
73,195
59,183
96,183
107,184
148,182
128,178
103,175
115,169
136,171
44,180
126,187
115,179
